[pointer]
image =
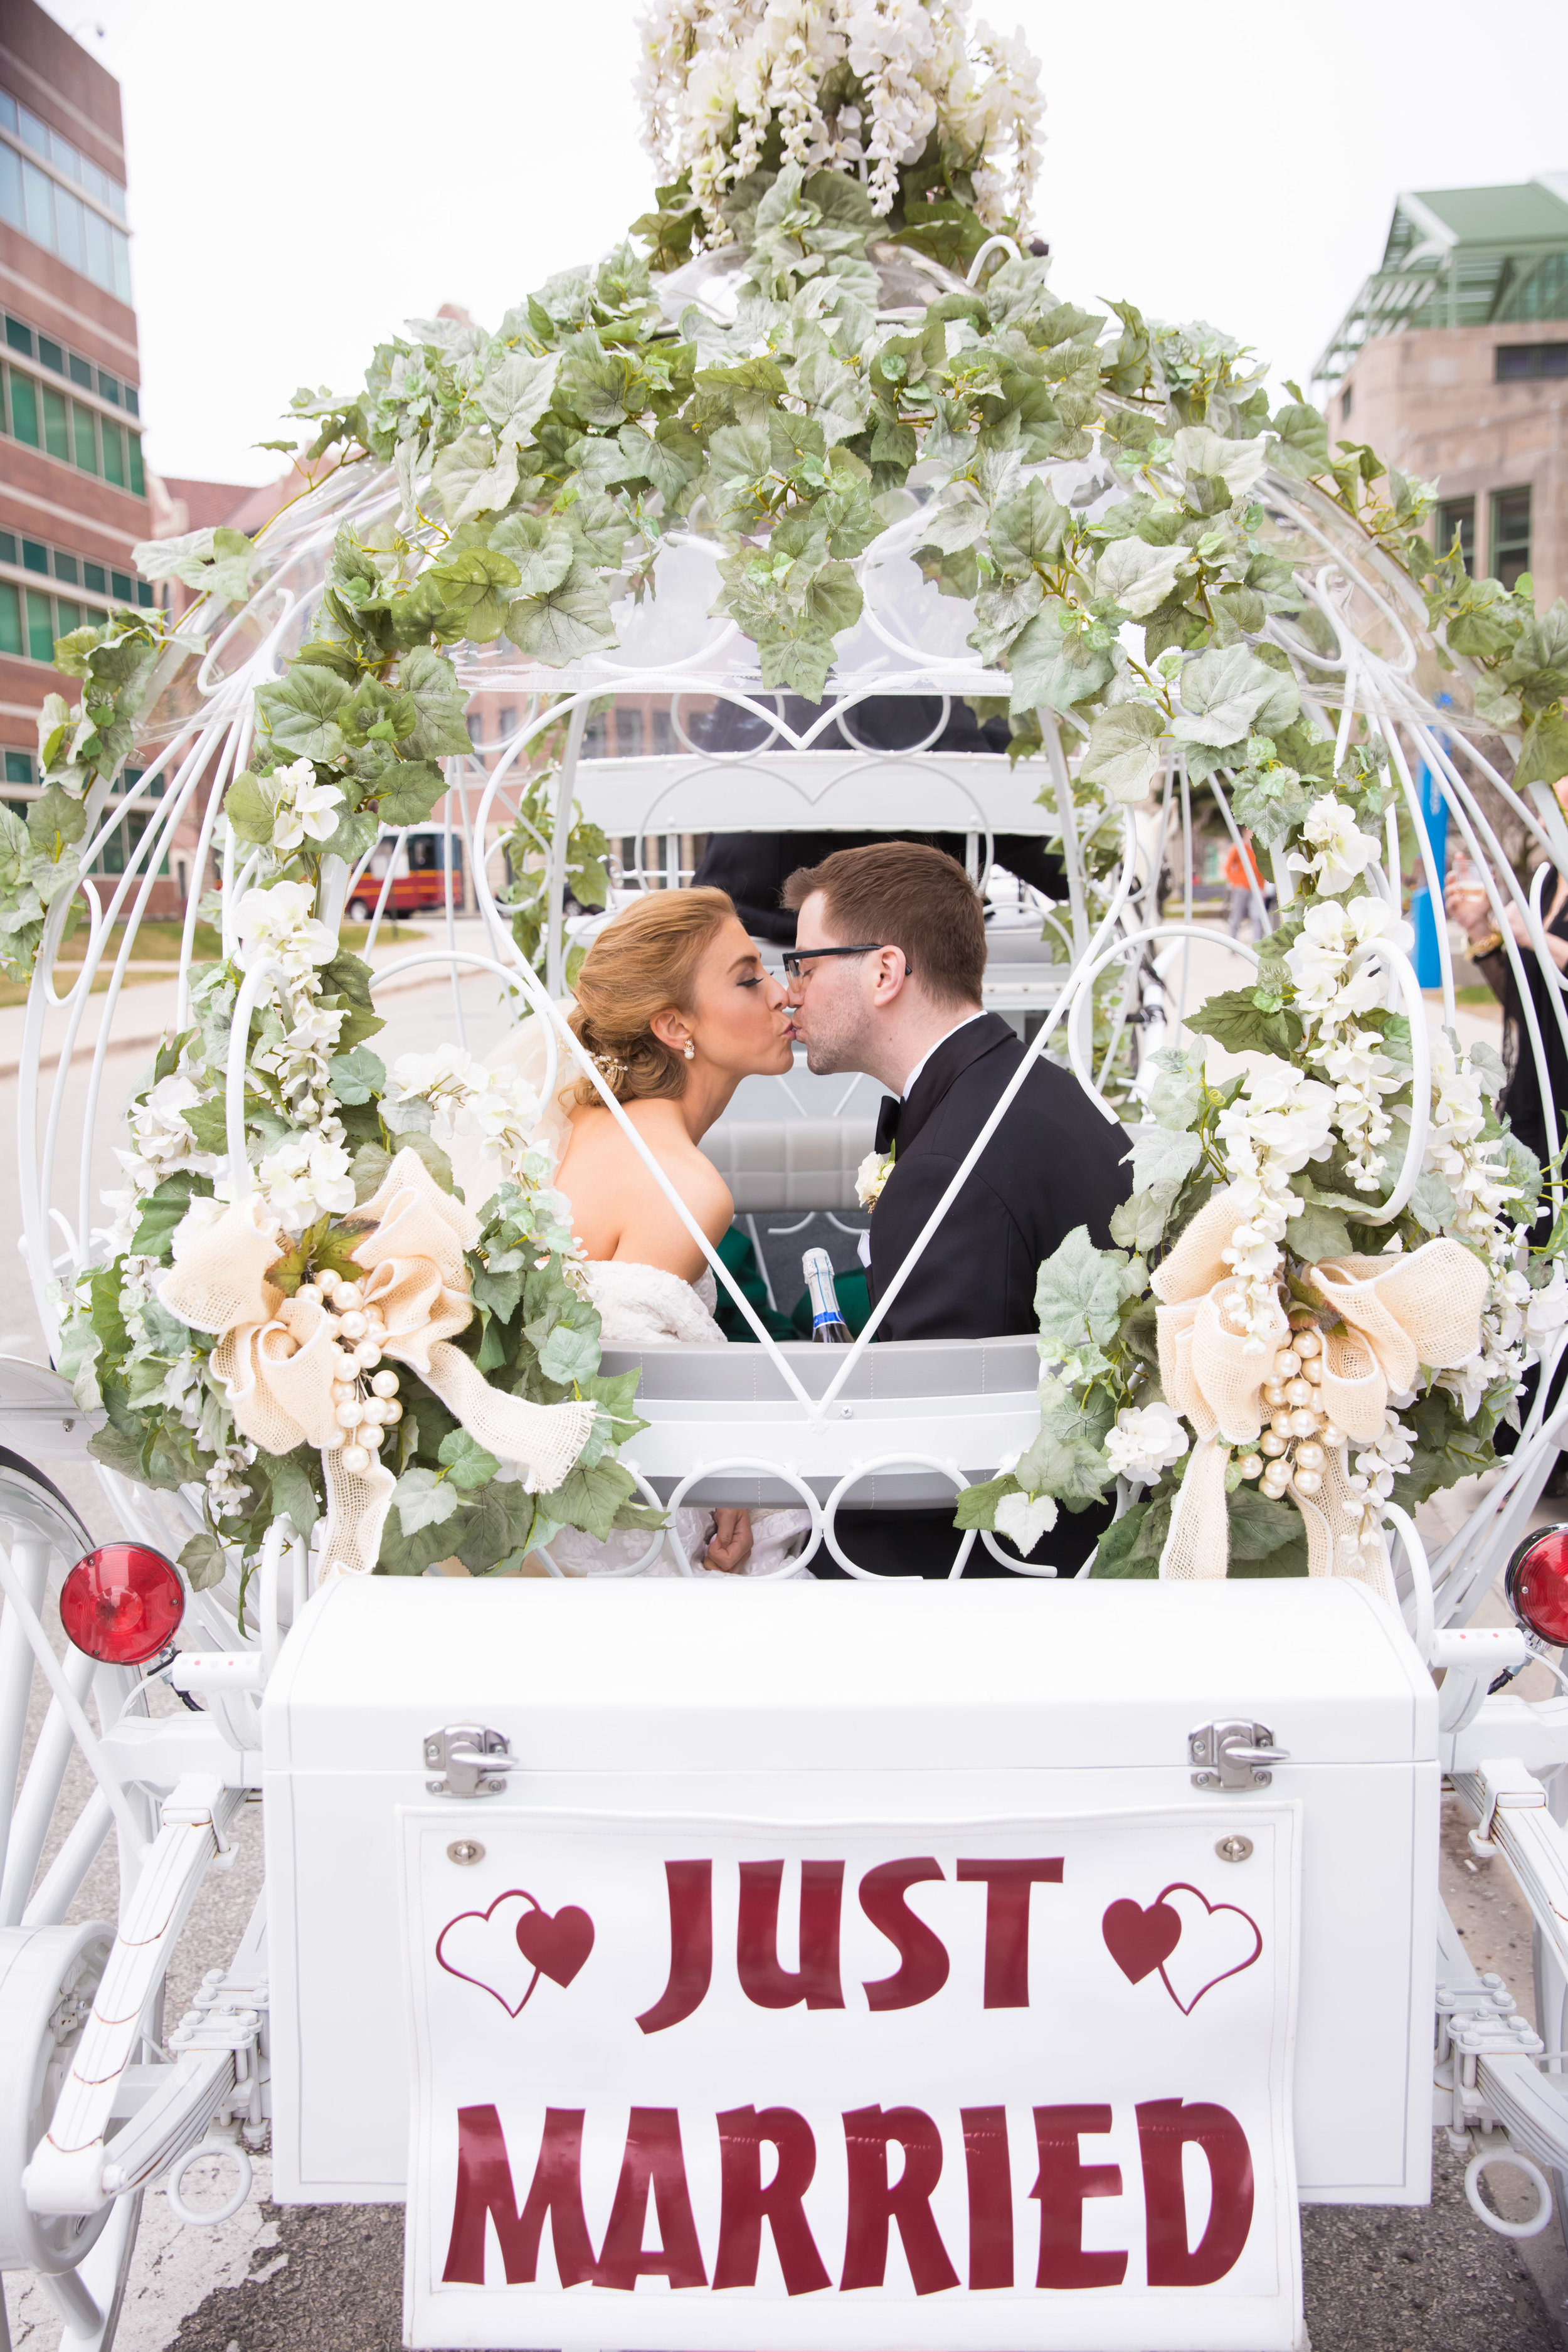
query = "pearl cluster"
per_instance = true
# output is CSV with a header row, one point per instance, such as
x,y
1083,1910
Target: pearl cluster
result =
x,y
1300,1437
364,1398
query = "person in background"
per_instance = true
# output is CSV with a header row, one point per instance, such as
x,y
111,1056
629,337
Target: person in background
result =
x,y
1245,884
1521,1102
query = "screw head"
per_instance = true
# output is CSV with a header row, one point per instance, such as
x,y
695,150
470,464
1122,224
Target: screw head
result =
x,y
1234,1848
465,1851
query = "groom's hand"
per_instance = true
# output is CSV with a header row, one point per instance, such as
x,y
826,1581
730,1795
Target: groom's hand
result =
x,y
731,1546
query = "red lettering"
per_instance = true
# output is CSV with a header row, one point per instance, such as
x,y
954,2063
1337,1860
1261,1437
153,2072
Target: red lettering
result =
x,y
1062,2187
815,1981
990,2196
1007,1886
653,2159
922,1956
690,1885
873,2202
745,2204
484,2186
1165,2128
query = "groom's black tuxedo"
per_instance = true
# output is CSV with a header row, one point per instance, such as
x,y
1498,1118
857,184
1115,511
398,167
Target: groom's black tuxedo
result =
x,y
1052,1164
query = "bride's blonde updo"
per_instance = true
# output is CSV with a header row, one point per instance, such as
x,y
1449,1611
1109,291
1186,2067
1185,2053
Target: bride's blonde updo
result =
x,y
642,963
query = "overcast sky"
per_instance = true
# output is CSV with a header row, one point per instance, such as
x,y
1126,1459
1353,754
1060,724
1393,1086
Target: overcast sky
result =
x,y
305,177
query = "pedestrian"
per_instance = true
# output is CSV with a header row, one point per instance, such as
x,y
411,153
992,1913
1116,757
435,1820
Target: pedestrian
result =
x,y
1245,885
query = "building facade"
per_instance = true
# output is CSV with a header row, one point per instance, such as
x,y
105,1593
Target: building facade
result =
x,y
73,488
1452,363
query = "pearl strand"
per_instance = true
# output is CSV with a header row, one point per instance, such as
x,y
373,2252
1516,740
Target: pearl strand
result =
x,y
1294,1448
364,1395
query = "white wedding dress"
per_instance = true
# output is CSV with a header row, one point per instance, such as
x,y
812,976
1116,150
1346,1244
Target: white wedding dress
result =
x,y
639,1306
645,1306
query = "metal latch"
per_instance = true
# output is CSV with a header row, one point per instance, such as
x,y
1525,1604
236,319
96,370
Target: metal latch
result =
x,y
471,1760
1235,1754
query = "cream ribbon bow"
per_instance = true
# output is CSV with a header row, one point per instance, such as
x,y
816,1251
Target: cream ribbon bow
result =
x,y
1398,1313
278,1357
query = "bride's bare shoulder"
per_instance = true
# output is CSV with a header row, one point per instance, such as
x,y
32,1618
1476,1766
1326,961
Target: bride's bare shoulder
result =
x,y
598,1155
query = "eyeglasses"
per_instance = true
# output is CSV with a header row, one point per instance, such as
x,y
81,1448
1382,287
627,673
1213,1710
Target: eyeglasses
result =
x,y
795,957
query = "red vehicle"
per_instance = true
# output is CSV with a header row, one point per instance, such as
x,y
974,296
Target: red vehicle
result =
x,y
418,871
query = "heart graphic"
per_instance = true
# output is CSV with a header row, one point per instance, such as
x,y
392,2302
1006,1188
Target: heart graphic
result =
x,y
1139,1940
557,1946
481,1947
1216,1940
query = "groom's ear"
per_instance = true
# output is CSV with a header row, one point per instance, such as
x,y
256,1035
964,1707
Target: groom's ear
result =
x,y
892,973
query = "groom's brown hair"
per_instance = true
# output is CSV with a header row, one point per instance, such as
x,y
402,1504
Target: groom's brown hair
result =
x,y
901,894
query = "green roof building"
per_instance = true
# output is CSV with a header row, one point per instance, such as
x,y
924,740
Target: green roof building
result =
x,y
1452,362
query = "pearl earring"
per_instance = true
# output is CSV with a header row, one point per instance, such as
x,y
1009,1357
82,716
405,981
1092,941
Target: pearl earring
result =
x,y
689,1050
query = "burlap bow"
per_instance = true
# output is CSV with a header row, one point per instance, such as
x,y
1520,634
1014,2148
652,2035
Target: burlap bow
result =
x,y
278,1357
1396,1313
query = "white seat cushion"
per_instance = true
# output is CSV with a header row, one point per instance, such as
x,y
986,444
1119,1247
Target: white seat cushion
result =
x,y
790,1164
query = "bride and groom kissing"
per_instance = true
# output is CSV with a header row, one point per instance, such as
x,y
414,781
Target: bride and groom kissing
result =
x,y
675,1006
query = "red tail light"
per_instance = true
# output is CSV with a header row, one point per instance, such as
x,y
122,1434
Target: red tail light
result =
x,y
1537,1584
123,1604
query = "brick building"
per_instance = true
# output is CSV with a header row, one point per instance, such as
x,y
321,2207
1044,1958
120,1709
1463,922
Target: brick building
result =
x,y
1452,362
73,491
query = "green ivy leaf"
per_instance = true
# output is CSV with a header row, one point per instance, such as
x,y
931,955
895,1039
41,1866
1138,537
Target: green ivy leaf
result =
x,y
569,1355
1234,1020
424,1499
248,809
358,1075
202,1559
468,1462
302,711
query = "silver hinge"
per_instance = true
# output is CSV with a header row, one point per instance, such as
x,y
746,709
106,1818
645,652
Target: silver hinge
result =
x,y
471,1761
1235,1754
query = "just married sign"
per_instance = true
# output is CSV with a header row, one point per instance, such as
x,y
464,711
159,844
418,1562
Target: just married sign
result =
x,y
1014,2083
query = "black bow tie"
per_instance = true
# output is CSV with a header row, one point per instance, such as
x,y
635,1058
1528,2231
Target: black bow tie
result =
x,y
887,1123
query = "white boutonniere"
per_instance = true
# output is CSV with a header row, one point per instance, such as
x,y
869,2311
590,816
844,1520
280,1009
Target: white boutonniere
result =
x,y
872,1175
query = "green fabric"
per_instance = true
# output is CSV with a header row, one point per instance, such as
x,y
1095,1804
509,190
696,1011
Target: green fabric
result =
x,y
740,1261
854,1305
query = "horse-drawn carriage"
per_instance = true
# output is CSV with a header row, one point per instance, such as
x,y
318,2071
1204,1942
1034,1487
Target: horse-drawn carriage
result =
x,y
398,1724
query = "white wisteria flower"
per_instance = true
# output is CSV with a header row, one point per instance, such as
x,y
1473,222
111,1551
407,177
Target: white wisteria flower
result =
x,y
1277,1122
1342,851
467,1097
718,75
301,806
1146,1439
304,1179
279,925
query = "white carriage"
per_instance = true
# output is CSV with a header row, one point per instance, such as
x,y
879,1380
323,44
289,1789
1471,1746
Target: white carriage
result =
x,y
354,1705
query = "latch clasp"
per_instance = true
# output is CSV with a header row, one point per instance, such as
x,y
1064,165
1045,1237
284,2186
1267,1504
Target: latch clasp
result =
x,y
472,1761
1236,1756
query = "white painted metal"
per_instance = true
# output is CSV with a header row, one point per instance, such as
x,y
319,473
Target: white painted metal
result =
x,y
917,1702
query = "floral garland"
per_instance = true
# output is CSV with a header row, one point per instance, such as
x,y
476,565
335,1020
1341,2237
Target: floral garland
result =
x,y
324,1120
1287,1158
891,91
541,469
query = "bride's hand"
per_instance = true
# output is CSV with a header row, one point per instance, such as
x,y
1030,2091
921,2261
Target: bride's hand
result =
x,y
731,1546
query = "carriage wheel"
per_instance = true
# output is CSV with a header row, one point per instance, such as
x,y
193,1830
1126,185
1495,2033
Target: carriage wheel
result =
x,y
48,1977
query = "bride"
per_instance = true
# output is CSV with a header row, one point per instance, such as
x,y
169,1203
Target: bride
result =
x,y
675,1007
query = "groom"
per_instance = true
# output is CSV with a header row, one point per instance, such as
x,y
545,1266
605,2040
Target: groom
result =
x,y
885,978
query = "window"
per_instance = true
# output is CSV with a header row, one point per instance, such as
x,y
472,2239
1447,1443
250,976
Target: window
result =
x,y
79,372
594,736
10,626
1528,362
1345,398
40,627
84,437
19,769
663,731
32,555
67,616
20,337
32,199
1510,536
506,721
24,409
629,732
57,424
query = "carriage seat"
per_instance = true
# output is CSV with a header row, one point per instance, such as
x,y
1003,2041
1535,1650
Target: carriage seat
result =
x,y
790,1164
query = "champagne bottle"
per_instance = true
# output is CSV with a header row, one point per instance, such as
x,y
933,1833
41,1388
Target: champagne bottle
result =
x,y
828,1324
